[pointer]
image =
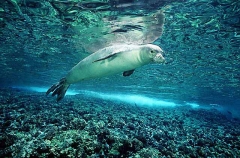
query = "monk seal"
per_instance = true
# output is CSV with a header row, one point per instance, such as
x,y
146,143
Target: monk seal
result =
x,y
108,61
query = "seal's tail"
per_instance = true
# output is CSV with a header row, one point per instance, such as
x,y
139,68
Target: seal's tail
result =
x,y
59,89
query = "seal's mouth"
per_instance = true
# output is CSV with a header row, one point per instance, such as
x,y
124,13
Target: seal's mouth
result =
x,y
159,58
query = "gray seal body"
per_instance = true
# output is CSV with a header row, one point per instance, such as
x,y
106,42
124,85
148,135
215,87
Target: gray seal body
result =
x,y
108,61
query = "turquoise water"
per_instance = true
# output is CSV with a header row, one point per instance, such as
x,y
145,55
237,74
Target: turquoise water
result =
x,y
197,90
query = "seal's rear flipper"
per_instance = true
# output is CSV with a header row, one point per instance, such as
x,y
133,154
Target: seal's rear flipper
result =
x,y
59,89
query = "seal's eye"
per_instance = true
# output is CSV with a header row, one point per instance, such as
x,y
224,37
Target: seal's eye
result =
x,y
152,51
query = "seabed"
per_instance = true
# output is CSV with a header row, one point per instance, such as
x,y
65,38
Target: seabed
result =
x,y
33,125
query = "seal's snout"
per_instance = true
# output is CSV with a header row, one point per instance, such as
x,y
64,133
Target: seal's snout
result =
x,y
159,58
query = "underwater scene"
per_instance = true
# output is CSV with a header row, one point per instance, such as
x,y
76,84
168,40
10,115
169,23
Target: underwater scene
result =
x,y
120,78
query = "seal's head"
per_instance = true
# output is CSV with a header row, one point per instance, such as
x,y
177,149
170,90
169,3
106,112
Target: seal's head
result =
x,y
154,52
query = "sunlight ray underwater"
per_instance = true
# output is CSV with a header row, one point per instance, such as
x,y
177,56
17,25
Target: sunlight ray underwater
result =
x,y
136,100
133,99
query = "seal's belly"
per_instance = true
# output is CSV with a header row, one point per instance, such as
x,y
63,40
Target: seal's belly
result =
x,y
90,69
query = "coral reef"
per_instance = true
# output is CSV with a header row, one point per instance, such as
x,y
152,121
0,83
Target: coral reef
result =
x,y
33,125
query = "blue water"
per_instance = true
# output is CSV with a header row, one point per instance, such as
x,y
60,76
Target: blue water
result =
x,y
40,41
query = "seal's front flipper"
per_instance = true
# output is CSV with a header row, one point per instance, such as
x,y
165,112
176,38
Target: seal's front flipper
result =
x,y
111,56
128,73
59,89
